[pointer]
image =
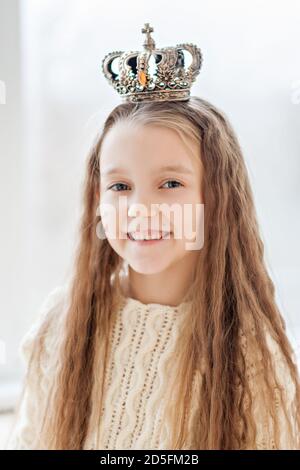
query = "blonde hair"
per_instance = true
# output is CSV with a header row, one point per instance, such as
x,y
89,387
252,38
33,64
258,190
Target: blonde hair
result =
x,y
232,291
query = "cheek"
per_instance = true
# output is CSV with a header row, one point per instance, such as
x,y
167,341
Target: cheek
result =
x,y
114,224
110,225
188,220
117,246
113,211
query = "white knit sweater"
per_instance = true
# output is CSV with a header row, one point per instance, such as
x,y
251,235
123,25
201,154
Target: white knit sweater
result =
x,y
142,357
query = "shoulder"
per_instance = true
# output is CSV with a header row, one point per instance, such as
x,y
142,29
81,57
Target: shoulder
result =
x,y
253,355
49,314
42,337
282,370
283,386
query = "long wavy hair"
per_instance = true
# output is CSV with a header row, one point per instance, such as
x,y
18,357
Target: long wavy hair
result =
x,y
232,293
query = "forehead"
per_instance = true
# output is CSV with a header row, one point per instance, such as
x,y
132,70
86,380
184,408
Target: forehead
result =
x,y
148,144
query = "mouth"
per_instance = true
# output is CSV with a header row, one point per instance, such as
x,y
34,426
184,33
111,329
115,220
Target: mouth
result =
x,y
148,239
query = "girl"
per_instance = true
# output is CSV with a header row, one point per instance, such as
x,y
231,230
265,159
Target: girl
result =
x,y
153,345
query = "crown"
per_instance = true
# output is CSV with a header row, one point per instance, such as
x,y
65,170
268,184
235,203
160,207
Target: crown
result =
x,y
153,74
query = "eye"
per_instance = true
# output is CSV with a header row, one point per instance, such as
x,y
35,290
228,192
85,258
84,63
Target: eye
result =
x,y
173,181
118,184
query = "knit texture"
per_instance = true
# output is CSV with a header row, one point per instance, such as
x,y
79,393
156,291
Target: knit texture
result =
x,y
142,359
143,353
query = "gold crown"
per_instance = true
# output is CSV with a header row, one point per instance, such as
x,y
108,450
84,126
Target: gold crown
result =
x,y
153,74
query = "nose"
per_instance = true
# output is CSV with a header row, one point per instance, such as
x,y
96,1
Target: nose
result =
x,y
142,203
143,210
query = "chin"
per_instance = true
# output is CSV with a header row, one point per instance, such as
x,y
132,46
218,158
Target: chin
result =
x,y
147,267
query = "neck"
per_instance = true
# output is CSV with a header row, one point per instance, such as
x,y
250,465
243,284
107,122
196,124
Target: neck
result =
x,y
167,287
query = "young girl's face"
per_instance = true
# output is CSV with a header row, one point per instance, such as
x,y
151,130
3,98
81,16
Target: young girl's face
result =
x,y
156,176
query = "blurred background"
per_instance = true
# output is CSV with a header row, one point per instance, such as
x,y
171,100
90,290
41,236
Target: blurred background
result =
x,y
53,100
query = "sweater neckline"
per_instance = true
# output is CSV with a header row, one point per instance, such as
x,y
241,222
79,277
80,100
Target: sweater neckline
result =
x,y
181,307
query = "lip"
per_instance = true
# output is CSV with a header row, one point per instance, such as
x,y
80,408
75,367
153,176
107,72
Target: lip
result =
x,y
149,242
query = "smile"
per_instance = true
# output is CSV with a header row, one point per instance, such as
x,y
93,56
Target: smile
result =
x,y
147,239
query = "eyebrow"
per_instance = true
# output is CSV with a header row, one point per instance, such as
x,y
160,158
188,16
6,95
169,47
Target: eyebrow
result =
x,y
174,168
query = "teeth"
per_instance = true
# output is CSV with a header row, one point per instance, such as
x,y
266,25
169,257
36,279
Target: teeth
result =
x,y
153,236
